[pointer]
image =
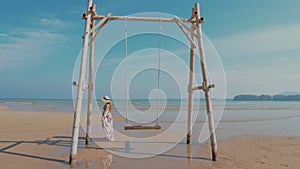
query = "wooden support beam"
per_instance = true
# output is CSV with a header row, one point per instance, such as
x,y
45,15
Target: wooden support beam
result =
x,y
203,88
98,31
211,86
185,26
90,89
93,10
198,88
190,86
81,84
211,125
193,17
100,23
193,45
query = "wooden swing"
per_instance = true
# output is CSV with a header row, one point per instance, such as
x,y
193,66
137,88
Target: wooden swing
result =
x,y
142,127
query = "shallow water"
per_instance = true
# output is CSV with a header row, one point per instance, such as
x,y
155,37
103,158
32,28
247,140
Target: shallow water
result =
x,y
235,118
268,117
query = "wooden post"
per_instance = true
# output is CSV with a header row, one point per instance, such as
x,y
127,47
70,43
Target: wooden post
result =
x,y
205,86
190,88
81,87
90,87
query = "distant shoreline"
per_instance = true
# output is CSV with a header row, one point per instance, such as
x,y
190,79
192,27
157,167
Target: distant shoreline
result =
x,y
280,97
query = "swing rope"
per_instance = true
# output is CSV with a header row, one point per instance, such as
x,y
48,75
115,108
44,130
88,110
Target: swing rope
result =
x,y
126,64
158,72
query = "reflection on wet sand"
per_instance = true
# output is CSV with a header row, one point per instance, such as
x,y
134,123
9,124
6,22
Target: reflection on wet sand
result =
x,y
87,165
106,162
103,163
189,154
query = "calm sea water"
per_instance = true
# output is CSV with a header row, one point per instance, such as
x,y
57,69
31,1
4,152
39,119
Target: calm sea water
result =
x,y
238,117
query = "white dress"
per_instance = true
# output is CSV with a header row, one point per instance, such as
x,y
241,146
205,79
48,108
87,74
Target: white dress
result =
x,y
107,123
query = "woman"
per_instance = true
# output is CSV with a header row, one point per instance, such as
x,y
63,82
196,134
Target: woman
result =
x,y
107,120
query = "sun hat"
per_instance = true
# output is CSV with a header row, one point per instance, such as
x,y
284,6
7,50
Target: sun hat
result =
x,y
105,99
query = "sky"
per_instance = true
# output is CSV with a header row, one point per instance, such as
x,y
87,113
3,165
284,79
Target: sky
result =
x,y
257,42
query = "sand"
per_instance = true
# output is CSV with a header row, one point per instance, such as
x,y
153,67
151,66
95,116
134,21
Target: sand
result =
x,y
42,140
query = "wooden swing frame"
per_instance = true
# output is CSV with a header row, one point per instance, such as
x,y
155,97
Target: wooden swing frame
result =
x,y
195,32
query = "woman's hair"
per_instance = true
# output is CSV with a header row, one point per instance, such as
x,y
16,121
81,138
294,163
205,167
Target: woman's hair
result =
x,y
108,105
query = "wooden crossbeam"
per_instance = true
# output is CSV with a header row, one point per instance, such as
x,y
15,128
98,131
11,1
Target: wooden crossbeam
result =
x,y
98,31
100,23
187,36
203,88
145,19
185,26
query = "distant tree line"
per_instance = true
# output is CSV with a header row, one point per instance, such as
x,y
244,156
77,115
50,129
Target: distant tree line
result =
x,y
249,97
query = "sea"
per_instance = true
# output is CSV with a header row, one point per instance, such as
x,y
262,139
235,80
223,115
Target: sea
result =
x,y
231,117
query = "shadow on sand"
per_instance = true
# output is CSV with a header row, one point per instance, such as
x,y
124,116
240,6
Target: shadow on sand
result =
x,y
65,142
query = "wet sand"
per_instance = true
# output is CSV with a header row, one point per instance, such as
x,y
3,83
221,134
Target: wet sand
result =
x,y
42,140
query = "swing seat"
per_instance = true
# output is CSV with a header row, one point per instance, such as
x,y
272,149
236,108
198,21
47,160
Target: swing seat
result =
x,y
142,127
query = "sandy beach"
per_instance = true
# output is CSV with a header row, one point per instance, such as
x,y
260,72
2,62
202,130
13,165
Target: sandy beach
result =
x,y
42,140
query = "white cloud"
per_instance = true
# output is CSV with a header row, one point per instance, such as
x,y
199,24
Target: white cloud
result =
x,y
260,41
272,42
266,81
26,47
52,22
3,35
76,11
